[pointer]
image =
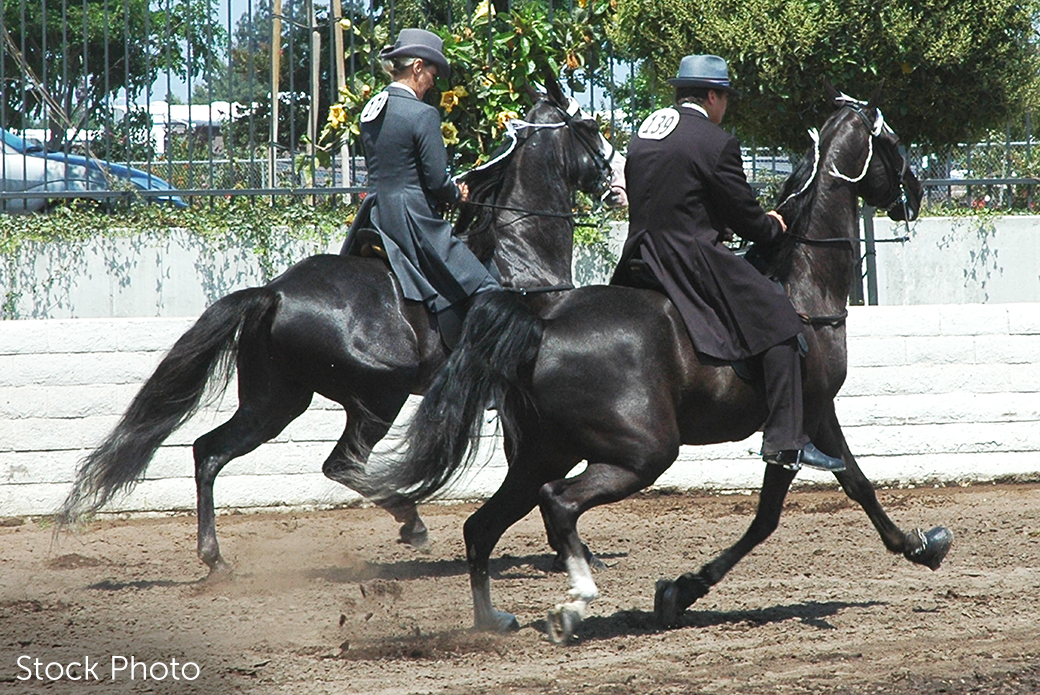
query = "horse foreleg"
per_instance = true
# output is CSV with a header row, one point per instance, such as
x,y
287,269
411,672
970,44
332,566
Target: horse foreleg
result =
x,y
671,598
926,548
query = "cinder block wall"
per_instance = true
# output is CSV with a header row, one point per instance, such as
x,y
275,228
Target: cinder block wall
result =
x,y
935,394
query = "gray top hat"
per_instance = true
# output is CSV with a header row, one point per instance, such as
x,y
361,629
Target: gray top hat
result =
x,y
419,43
707,71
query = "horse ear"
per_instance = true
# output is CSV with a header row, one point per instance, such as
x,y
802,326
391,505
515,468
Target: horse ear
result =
x,y
830,91
875,97
554,90
533,93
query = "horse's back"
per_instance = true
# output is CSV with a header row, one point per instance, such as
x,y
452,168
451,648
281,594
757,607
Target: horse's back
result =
x,y
344,317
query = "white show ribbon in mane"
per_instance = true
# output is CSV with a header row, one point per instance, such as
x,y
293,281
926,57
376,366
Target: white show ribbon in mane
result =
x,y
879,126
513,127
815,135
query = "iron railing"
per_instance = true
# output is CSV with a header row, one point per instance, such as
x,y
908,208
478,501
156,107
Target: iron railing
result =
x,y
181,90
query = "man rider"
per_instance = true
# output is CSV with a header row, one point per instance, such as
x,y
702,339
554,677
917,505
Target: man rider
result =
x,y
686,189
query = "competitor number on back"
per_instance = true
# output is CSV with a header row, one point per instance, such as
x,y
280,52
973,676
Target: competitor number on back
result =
x,y
659,124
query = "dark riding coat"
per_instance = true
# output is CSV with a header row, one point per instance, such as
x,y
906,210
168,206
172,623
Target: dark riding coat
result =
x,y
686,185
407,168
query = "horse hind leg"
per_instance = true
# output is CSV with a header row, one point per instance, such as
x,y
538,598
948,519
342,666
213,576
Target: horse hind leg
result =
x,y
513,500
347,465
562,503
255,422
928,548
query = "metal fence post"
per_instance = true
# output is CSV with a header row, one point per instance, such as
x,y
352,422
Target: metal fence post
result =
x,y
870,254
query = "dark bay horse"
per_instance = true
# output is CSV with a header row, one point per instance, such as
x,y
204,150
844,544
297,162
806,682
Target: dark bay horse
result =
x,y
608,375
339,326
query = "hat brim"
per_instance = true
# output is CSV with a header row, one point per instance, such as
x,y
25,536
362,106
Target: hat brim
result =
x,y
703,84
417,51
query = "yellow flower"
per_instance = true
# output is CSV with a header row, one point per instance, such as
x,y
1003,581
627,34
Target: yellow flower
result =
x,y
337,116
450,99
450,133
366,91
347,26
484,10
505,116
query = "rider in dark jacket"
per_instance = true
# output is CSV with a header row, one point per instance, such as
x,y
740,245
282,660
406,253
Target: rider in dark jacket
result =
x,y
686,188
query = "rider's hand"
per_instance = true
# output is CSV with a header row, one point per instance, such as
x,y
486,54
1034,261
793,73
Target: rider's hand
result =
x,y
463,192
774,213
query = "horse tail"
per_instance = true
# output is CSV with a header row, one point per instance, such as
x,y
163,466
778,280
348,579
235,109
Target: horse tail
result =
x,y
172,394
491,365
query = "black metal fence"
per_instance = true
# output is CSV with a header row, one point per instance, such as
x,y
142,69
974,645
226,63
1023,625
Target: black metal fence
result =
x,y
161,94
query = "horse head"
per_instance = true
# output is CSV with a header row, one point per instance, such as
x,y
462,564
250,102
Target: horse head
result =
x,y
886,181
592,165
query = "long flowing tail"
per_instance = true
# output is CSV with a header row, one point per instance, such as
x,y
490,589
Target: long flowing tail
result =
x,y
170,396
490,366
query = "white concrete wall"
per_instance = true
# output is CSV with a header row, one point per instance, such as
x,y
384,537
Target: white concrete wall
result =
x,y
959,260
935,393
948,260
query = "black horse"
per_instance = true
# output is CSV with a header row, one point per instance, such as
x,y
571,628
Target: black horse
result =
x,y
608,375
339,326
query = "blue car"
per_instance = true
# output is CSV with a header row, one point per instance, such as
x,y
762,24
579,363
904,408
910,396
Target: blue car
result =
x,y
28,167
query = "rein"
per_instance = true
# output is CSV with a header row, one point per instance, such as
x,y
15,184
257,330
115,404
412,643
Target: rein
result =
x,y
525,291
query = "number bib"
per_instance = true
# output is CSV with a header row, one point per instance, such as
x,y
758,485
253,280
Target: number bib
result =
x,y
374,107
659,124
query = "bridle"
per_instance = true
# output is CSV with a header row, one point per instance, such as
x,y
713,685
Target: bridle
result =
x,y
518,131
875,128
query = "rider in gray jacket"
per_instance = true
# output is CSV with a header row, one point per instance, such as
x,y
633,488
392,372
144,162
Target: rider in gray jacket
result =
x,y
407,168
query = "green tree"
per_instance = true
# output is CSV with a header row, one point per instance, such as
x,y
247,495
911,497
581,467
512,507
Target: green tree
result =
x,y
950,70
70,58
496,57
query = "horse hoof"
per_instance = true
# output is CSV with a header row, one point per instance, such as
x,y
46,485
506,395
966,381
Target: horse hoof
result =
x,y
666,604
498,621
934,546
562,625
219,571
419,541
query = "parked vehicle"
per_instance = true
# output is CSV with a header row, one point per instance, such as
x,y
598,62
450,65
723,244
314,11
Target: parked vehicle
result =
x,y
28,167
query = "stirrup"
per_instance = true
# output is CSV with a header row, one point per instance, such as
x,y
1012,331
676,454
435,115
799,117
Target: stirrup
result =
x,y
808,456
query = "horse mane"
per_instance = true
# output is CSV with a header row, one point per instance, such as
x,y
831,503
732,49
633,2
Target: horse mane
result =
x,y
476,217
795,205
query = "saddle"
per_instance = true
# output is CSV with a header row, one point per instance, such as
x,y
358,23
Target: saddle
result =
x,y
639,275
362,238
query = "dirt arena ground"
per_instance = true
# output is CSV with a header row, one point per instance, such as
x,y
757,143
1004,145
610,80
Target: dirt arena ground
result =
x,y
327,602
